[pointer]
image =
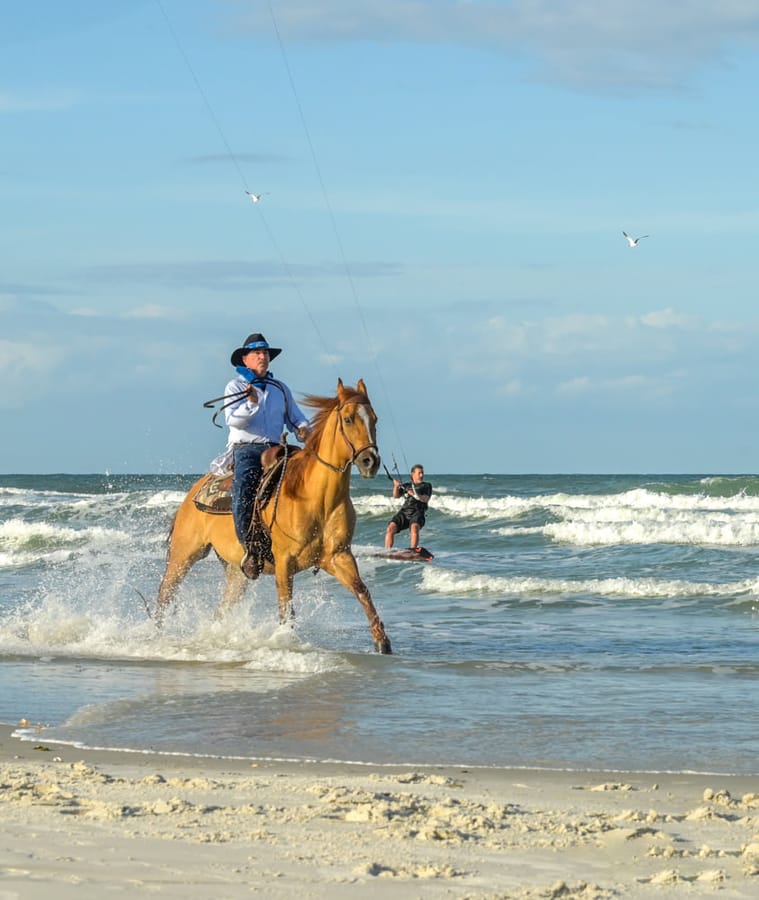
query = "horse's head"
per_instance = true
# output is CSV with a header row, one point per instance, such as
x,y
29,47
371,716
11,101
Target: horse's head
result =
x,y
358,424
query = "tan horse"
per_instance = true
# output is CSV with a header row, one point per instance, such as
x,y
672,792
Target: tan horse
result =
x,y
311,521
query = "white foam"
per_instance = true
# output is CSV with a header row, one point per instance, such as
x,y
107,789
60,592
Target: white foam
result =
x,y
617,527
56,629
446,581
563,505
375,504
162,499
306,661
15,534
484,507
645,517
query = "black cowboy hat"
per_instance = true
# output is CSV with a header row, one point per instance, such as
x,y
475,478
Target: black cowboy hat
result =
x,y
253,342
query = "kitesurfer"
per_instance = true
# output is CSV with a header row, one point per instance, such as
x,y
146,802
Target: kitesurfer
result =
x,y
411,515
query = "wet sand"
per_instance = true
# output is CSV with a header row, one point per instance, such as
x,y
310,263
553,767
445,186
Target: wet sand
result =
x,y
84,823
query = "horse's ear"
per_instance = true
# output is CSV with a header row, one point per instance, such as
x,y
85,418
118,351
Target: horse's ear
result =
x,y
340,389
362,387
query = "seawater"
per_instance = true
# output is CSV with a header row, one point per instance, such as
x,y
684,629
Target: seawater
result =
x,y
580,622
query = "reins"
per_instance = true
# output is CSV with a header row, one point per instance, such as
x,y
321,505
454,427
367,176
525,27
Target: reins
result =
x,y
209,404
231,398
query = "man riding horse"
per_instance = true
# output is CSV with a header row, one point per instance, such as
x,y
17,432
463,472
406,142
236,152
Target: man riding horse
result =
x,y
311,519
264,407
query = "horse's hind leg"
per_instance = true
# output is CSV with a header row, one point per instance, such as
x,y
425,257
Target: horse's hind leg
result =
x,y
234,588
343,566
176,569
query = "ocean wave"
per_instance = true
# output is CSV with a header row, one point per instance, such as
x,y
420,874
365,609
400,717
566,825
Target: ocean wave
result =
x,y
620,525
18,535
707,532
374,505
735,484
512,506
642,498
455,505
446,581
18,497
518,530
161,499
91,515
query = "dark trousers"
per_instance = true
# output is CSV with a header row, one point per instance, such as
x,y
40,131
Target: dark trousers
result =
x,y
247,472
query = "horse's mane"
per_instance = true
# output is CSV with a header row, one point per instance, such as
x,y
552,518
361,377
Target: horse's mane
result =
x,y
324,406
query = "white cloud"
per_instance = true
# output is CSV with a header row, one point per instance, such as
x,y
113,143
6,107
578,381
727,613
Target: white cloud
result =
x,y
52,99
232,274
633,383
22,362
667,318
587,43
148,311
577,385
15,355
659,354
511,388
151,311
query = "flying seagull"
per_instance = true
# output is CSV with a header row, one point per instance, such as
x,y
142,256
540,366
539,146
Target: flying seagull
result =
x,y
255,197
633,242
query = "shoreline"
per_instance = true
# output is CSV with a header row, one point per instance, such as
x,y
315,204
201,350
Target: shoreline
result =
x,y
23,734
76,822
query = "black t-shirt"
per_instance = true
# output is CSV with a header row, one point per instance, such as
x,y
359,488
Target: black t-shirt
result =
x,y
411,504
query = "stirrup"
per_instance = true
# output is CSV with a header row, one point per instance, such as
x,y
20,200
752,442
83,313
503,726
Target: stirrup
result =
x,y
251,565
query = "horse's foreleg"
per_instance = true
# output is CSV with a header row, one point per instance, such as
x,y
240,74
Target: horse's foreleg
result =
x,y
284,572
234,588
343,566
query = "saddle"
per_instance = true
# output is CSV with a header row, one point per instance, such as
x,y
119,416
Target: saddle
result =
x,y
215,495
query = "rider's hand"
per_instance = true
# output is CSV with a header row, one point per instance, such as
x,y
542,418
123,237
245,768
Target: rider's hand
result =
x,y
302,433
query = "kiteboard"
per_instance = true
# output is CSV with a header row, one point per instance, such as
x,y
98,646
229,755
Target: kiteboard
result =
x,y
410,554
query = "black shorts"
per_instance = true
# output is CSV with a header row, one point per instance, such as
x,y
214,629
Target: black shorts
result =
x,y
402,520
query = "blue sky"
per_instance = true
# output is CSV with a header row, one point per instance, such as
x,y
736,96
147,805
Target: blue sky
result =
x,y
446,185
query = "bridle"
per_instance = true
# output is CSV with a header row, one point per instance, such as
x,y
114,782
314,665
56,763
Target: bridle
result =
x,y
354,452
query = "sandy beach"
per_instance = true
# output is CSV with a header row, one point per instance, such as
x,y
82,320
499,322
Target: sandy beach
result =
x,y
86,823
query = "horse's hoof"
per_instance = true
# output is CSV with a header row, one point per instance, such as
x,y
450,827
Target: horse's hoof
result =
x,y
384,647
287,617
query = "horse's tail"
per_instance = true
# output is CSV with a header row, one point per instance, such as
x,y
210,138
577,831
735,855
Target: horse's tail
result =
x,y
148,610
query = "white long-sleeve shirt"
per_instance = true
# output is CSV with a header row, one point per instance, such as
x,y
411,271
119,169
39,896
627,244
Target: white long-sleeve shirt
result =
x,y
264,416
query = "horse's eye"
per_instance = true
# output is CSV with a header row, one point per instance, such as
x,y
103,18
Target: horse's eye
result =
x,y
348,420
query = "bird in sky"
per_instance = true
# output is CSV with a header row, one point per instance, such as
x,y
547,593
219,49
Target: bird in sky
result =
x,y
255,197
633,242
